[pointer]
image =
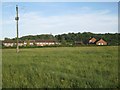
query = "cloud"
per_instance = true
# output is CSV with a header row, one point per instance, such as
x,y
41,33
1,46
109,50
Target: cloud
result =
x,y
95,22
33,23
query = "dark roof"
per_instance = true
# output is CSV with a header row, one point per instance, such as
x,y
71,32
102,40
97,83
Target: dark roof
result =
x,y
8,41
12,41
21,41
31,41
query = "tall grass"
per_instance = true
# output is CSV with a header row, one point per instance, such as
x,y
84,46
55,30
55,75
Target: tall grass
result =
x,y
65,67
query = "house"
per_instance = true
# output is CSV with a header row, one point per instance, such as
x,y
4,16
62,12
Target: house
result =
x,y
25,43
92,41
101,42
32,42
97,42
45,42
11,43
29,42
20,43
8,43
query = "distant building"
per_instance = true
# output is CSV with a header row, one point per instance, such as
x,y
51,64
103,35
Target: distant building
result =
x,y
46,42
8,43
11,43
101,42
92,41
97,42
20,43
29,43
32,42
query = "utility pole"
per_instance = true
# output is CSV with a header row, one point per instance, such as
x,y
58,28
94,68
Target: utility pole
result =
x,y
17,18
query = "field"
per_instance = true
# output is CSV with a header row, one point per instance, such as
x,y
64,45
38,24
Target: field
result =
x,y
65,67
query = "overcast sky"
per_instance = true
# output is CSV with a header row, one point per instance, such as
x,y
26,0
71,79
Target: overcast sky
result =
x,y
60,17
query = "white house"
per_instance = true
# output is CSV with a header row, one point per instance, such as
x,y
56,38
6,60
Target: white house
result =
x,y
11,43
45,42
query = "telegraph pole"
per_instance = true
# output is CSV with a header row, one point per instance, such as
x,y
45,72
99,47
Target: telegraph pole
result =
x,y
17,18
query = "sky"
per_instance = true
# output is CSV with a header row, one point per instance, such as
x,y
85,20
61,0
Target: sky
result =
x,y
59,17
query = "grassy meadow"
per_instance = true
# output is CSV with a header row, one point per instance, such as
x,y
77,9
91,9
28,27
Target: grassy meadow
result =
x,y
61,67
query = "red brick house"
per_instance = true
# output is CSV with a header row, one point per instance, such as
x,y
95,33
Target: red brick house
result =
x,y
92,40
101,42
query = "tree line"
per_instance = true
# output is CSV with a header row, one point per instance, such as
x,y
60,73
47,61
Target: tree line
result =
x,y
71,38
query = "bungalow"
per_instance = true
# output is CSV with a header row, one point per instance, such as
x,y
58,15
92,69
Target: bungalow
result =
x,y
45,42
8,43
11,43
20,43
101,42
30,42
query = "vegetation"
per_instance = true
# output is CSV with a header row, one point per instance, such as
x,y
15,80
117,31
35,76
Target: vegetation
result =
x,y
70,38
83,67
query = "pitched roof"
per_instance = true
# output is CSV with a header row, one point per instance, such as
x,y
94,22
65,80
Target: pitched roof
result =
x,y
101,41
12,41
92,40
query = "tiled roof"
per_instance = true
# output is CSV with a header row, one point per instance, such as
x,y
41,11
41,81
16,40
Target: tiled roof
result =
x,y
31,41
101,41
92,40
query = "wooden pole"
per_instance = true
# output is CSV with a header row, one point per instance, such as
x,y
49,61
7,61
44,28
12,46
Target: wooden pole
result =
x,y
17,18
